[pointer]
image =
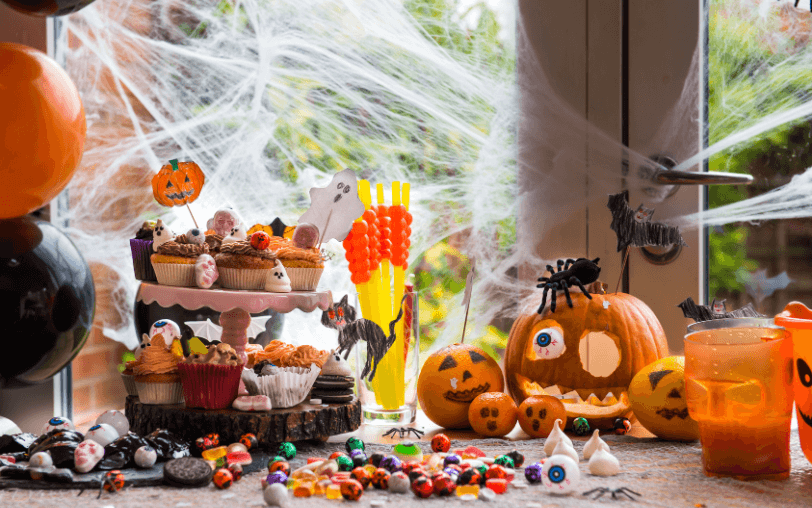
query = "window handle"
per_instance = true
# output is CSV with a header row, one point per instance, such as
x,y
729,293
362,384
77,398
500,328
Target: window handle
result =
x,y
671,177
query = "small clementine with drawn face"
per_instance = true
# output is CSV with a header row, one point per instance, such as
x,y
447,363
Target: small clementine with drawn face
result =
x,y
493,414
538,414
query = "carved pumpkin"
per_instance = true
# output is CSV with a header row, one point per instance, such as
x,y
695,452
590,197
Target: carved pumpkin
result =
x,y
177,183
584,353
453,377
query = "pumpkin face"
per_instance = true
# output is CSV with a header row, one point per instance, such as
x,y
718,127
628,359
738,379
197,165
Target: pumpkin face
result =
x,y
538,414
589,353
492,414
177,183
657,394
453,377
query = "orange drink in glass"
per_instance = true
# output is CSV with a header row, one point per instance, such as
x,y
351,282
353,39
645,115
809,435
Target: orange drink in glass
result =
x,y
738,386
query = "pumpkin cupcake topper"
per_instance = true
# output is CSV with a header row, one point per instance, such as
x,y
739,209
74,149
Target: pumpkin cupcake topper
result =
x,y
178,184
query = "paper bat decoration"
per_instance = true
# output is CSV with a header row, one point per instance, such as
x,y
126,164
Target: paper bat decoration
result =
x,y
634,227
716,310
759,286
334,208
281,229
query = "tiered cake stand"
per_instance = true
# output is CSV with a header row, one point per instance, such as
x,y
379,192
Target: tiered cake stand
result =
x,y
298,423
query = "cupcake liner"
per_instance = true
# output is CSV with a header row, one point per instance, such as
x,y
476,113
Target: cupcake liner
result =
x,y
243,278
129,384
209,386
288,387
142,250
174,274
304,279
160,393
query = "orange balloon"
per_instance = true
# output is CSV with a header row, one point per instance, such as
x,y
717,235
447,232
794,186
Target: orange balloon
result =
x,y
42,126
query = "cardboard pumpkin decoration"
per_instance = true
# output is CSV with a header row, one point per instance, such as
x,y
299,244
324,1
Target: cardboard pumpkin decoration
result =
x,y
177,183
586,354
657,395
451,379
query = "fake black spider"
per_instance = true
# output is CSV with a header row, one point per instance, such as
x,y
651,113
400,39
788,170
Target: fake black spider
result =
x,y
616,493
573,272
404,432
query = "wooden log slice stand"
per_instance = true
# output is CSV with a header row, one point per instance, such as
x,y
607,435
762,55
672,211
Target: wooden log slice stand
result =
x,y
301,422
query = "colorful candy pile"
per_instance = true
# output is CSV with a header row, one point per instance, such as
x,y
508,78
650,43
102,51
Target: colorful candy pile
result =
x,y
226,461
347,475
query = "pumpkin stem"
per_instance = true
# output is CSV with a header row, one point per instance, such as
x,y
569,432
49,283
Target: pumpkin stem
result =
x,y
174,163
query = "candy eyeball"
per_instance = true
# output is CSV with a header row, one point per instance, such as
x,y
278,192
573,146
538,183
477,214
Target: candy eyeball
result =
x,y
195,236
169,329
58,423
145,457
116,419
41,459
548,343
102,433
560,475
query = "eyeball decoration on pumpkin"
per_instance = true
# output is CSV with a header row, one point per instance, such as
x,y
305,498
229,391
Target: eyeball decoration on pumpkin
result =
x,y
451,379
657,395
168,328
57,423
560,475
588,353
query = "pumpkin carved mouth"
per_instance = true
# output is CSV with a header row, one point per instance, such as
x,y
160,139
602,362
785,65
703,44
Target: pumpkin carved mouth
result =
x,y
671,413
181,195
806,418
466,395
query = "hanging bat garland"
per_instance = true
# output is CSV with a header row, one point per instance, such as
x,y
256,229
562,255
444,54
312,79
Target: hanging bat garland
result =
x,y
716,310
635,228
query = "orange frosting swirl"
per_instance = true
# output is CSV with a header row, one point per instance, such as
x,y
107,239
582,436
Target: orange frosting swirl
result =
x,y
285,249
244,248
283,354
155,359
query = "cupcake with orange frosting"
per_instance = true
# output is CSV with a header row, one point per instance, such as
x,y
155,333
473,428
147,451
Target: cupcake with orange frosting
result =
x,y
211,381
246,264
156,374
304,266
174,260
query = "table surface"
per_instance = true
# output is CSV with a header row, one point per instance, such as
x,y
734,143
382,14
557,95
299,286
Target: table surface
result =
x,y
666,474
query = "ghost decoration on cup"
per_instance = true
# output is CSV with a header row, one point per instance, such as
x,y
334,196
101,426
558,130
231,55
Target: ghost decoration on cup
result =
x,y
334,208
161,234
206,272
224,220
238,234
278,280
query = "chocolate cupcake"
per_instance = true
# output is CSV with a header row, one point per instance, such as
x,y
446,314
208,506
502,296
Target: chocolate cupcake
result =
x,y
141,247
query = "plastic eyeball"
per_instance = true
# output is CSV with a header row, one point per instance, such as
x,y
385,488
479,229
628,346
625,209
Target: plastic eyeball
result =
x,y
145,457
102,433
57,423
116,419
560,475
41,459
548,343
167,328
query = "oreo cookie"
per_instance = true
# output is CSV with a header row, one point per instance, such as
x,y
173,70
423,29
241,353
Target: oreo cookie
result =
x,y
332,396
187,472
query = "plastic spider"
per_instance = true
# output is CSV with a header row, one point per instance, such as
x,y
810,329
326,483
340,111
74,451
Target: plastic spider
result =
x,y
573,272
404,432
616,493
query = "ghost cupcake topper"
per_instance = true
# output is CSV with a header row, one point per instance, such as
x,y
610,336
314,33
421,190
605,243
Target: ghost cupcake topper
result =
x,y
334,208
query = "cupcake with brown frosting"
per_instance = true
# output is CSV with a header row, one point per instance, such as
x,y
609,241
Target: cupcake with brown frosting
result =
x,y
156,374
243,265
304,266
174,261
211,381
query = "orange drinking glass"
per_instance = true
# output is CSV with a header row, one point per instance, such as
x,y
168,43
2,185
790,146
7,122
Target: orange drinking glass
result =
x,y
738,386
797,319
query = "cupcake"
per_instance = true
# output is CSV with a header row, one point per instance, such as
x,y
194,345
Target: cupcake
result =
x,y
156,374
141,247
285,386
245,264
129,379
174,260
211,381
303,265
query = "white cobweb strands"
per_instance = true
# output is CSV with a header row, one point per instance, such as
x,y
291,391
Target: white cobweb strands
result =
x,y
271,98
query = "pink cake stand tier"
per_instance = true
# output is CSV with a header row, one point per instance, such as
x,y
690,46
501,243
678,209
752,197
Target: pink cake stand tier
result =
x,y
235,307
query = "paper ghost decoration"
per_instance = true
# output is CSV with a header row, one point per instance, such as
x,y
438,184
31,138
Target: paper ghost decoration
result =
x,y
334,208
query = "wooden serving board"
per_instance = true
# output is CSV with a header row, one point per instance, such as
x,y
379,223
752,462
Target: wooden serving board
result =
x,y
299,423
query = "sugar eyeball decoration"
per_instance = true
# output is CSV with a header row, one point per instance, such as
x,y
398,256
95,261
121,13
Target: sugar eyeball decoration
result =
x,y
278,280
116,419
195,236
560,475
102,433
41,459
168,328
161,234
57,423
206,272
145,457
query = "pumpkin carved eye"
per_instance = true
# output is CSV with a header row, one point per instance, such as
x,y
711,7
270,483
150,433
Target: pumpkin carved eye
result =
x,y
548,343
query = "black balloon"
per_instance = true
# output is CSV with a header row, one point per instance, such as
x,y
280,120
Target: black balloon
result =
x,y
47,7
47,301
